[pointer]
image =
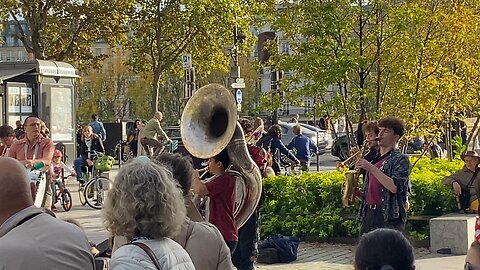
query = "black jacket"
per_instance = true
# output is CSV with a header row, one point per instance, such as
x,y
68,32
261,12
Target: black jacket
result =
x,y
97,145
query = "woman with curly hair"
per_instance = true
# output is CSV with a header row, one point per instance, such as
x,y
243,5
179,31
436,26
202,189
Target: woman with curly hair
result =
x,y
145,206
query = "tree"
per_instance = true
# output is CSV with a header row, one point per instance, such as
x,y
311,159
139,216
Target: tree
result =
x,y
414,59
113,92
163,30
66,30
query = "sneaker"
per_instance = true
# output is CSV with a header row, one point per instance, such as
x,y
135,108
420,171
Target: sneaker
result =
x,y
54,208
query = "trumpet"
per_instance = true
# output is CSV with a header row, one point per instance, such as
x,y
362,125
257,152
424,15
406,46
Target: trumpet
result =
x,y
255,136
350,161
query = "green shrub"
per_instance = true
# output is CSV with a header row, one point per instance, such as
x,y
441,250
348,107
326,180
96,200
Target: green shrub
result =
x,y
310,205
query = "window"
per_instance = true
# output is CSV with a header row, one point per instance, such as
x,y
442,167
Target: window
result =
x,y
308,103
284,47
21,55
10,41
10,56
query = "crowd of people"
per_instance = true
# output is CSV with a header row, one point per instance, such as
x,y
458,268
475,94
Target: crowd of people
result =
x,y
153,221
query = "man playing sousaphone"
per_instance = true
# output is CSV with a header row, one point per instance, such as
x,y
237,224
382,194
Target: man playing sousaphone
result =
x,y
465,182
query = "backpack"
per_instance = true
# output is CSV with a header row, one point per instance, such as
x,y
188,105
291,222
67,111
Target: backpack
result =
x,y
286,247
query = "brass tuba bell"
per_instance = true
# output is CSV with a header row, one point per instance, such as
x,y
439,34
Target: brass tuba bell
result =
x,y
208,126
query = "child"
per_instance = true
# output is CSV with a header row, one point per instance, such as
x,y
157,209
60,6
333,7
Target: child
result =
x,y
222,198
56,168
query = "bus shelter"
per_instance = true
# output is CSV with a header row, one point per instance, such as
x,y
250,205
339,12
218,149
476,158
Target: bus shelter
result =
x,y
44,89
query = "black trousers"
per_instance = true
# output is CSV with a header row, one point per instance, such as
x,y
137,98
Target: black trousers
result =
x,y
232,245
247,238
374,219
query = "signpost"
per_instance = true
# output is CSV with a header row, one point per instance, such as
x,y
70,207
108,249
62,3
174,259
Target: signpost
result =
x,y
189,84
238,94
187,61
238,84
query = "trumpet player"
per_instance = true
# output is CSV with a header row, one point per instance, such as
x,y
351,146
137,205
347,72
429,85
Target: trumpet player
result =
x,y
387,182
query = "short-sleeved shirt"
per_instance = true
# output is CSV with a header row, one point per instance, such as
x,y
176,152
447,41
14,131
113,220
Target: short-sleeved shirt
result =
x,y
222,205
45,149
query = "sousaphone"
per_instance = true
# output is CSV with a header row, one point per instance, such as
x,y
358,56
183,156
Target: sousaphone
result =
x,y
208,126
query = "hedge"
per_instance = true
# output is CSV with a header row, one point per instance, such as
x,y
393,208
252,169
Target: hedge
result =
x,y
309,206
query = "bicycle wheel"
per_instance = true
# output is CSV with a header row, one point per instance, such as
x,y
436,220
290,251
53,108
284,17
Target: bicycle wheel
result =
x,y
66,200
96,190
81,193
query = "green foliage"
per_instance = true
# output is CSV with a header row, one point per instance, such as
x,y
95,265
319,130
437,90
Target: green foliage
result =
x,y
458,147
417,55
162,31
306,205
310,205
66,30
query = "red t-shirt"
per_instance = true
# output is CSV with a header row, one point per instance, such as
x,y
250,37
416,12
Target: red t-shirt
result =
x,y
374,192
222,205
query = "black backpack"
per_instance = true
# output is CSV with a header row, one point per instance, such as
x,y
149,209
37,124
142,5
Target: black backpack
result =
x,y
286,246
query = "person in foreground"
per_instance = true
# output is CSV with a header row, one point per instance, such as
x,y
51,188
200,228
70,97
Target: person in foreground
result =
x,y
146,206
31,238
194,234
387,183
384,249
472,260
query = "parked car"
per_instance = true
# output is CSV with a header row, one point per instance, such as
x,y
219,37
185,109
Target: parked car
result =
x,y
323,134
288,135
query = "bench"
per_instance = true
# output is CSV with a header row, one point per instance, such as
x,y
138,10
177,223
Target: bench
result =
x,y
453,231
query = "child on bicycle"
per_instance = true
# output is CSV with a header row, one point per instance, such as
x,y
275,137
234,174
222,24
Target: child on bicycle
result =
x,y
57,167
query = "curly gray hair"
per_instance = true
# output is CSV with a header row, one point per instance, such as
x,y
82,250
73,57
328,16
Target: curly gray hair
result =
x,y
144,201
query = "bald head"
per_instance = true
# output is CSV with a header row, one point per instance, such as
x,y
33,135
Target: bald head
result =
x,y
15,188
159,116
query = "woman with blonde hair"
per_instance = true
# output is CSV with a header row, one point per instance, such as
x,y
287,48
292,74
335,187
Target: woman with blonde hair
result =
x,y
145,206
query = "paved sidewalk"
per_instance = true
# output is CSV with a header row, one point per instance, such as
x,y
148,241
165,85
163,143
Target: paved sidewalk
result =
x,y
340,257
310,255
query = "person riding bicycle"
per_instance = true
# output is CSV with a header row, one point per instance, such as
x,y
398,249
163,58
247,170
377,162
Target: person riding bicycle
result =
x,y
150,134
90,143
56,167
271,142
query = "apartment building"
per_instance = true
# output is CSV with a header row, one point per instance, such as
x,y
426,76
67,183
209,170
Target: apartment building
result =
x,y
11,47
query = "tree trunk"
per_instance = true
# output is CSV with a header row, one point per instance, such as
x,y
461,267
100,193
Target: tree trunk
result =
x,y
473,133
155,89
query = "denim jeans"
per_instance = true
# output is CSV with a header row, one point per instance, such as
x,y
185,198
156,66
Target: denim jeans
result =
x,y
53,185
77,165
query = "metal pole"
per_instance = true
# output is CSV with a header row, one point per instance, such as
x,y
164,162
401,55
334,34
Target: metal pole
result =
x,y
318,157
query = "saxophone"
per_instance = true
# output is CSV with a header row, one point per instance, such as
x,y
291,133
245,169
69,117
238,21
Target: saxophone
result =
x,y
352,177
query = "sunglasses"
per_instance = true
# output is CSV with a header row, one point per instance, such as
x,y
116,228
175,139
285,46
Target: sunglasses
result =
x,y
469,266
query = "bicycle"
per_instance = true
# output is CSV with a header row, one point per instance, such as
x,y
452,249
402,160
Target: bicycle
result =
x,y
95,189
122,155
81,192
170,147
64,195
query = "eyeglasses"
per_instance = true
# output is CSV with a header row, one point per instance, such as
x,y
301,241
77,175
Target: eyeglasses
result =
x,y
469,266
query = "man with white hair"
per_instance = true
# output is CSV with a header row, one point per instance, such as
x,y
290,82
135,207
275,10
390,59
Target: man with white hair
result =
x,y
31,238
150,134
